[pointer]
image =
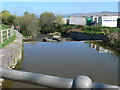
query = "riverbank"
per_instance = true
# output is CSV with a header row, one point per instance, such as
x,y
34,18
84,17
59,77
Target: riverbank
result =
x,y
12,53
110,36
104,40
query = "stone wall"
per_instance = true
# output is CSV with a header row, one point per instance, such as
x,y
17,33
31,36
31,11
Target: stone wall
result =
x,y
11,54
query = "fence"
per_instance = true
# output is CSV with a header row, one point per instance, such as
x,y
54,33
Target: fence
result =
x,y
6,34
80,82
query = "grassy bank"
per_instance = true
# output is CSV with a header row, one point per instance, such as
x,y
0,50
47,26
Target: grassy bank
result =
x,y
2,26
8,41
97,29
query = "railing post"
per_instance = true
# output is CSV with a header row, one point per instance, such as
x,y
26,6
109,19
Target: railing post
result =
x,y
1,36
82,82
11,32
7,34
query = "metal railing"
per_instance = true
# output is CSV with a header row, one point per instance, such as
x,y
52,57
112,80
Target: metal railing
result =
x,y
80,82
6,34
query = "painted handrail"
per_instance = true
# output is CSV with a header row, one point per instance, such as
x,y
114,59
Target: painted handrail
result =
x,y
51,81
7,35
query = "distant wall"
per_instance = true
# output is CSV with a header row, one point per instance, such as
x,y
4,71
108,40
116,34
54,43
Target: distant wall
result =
x,y
85,36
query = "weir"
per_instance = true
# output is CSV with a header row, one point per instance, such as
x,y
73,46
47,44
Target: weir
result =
x,y
80,82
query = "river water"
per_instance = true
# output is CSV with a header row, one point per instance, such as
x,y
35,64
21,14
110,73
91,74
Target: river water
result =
x,y
68,59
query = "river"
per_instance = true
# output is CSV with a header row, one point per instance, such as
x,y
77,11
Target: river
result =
x,y
68,59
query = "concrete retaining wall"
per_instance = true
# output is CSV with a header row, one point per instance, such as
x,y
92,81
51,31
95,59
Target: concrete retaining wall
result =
x,y
11,54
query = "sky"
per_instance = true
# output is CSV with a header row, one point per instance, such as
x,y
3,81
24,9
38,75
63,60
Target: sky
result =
x,y
60,0
61,8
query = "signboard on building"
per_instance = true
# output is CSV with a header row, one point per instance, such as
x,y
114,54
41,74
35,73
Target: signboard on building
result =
x,y
108,21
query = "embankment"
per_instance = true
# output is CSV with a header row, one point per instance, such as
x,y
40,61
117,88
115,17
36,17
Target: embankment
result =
x,y
85,36
12,53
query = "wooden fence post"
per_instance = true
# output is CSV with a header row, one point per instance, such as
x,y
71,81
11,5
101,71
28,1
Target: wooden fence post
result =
x,y
1,36
7,34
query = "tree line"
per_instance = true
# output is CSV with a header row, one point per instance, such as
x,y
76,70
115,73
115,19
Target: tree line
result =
x,y
48,22
30,25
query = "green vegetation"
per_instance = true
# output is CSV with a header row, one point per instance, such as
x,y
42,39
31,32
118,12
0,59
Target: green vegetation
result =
x,y
113,34
28,23
2,26
49,22
63,29
97,29
7,18
6,42
114,39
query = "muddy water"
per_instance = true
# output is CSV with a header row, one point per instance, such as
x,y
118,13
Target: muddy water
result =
x,y
68,59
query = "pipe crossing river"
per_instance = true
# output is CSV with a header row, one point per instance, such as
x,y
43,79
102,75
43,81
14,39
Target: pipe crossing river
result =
x,y
51,81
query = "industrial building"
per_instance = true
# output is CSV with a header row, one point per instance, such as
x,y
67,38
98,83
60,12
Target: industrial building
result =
x,y
77,20
108,21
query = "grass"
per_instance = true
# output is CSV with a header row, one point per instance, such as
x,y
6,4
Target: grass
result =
x,y
2,26
8,41
91,32
97,30
4,32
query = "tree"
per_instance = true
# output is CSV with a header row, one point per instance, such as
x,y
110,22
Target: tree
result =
x,y
10,19
5,14
26,13
47,22
59,27
59,20
28,24
7,18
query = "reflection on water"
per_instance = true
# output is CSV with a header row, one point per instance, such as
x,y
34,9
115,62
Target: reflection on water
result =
x,y
99,48
68,59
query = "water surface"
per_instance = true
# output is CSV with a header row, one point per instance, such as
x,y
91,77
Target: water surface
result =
x,y
69,59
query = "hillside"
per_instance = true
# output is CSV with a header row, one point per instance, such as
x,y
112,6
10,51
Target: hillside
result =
x,y
93,14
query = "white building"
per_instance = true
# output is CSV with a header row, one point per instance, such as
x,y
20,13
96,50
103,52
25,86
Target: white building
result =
x,y
76,20
108,21
95,19
64,20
